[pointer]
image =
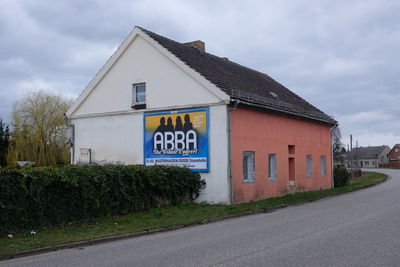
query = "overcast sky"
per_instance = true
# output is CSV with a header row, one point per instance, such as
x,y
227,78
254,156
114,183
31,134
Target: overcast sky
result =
x,y
341,56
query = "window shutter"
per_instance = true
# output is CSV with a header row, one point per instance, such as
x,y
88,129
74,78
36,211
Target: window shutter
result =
x,y
248,166
272,166
309,166
323,165
251,166
245,167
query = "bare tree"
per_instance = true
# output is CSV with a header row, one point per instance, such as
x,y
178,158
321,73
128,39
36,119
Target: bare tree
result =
x,y
337,140
39,134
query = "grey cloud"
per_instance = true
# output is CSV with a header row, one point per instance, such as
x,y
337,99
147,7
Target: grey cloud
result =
x,y
342,56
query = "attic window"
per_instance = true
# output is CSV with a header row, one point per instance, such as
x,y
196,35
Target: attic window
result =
x,y
139,96
139,93
274,95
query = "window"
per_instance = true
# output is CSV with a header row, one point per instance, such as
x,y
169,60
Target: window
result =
x,y
272,167
323,165
248,167
139,93
291,149
309,166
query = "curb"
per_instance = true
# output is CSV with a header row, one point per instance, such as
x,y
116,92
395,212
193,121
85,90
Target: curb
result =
x,y
166,229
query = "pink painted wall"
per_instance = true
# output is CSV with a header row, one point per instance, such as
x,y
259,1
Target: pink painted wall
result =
x,y
266,133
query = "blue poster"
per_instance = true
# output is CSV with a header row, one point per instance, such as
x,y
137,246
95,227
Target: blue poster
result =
x,y
177,138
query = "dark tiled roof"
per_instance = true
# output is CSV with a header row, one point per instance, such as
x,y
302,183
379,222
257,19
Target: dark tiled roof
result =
x,y
241,82
369,152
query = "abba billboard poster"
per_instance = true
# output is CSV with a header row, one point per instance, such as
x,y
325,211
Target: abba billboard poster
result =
x,y
177,138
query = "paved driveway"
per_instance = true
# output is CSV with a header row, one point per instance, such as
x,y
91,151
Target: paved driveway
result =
x,y
356,229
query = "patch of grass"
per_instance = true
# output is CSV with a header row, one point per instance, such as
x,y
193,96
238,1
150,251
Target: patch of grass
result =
x,y
164,217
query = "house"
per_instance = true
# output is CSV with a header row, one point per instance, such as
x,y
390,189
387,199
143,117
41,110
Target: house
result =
x,y
160,102
394,157
369,157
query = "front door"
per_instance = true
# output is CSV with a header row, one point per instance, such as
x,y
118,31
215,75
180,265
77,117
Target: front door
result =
x,y
292,176
291,169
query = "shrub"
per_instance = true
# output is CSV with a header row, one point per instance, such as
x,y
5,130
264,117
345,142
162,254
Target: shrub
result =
x,y
33,198
340,176
354,173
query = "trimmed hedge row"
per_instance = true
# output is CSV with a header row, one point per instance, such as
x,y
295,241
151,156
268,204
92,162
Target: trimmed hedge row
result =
x,y
33,198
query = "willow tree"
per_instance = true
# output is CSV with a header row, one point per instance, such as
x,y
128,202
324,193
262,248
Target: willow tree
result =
x,y
39,132
4,142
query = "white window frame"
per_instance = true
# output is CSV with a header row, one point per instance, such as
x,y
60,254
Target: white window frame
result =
x,y
249,166
272,167
309,165
134,93
323,165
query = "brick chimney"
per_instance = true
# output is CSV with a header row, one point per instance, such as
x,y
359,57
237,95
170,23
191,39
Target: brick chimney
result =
x,y
199,44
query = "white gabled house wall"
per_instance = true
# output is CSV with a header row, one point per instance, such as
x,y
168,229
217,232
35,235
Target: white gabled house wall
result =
x,y
104,121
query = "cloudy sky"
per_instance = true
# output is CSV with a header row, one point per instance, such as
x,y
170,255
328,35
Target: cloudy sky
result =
x,y
342,56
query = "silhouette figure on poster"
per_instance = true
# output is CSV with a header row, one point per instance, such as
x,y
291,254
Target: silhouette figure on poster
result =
x,y
178,124
162,127
188,124
170,126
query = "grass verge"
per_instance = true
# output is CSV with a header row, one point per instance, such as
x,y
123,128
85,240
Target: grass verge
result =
x,y
165,217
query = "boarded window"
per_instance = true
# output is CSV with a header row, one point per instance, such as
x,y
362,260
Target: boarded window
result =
x,y
272,167
323,165
248,166
309,166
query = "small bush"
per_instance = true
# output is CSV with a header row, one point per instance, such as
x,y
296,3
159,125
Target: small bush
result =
x,y
33,198
341,176
354,173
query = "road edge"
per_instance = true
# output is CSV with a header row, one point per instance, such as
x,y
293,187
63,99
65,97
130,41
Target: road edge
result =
x,y
171,228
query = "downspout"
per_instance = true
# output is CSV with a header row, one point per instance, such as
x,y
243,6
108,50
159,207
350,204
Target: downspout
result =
x,y
229,126
72,144
71,128
332,178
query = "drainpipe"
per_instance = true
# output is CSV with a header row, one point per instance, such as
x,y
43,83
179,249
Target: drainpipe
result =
x,y
71,129
229,110
332,178
72,144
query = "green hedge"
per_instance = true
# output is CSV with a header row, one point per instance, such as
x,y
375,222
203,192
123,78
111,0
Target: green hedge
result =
x,y
340,176
33,198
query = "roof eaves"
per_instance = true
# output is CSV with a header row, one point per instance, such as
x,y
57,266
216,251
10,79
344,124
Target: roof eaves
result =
x,y
291,113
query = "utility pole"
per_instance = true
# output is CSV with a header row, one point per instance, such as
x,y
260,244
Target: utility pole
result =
x,y
357,163
348,156
351,155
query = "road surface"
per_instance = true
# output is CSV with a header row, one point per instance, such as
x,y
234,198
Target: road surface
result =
x,y
356,229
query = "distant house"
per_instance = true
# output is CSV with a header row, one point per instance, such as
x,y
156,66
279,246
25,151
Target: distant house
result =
x,y
369,157
161,102
394,157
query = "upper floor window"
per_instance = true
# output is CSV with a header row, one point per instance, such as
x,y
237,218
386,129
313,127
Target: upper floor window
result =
x,y
139,93
248,167
291,149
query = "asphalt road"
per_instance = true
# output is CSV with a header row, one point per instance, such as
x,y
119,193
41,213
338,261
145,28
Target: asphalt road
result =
x,y
356,229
